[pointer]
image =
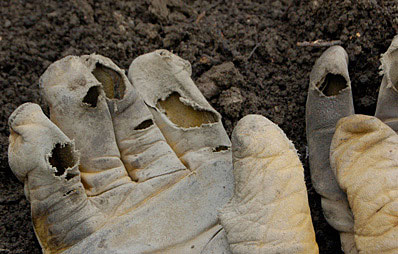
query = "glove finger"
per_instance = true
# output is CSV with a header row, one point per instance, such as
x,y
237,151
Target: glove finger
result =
x,y
363,157
190,125
269,212
329,99
42,157
387,102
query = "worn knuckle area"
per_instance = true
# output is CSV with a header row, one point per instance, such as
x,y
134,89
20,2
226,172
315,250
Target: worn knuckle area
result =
x,y
146,154
139,142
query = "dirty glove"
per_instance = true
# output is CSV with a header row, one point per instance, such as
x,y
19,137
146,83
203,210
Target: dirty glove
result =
x,y
146,166
329,100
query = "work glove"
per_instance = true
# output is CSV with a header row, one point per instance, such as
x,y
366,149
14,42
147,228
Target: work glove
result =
x,y
353,158
144,165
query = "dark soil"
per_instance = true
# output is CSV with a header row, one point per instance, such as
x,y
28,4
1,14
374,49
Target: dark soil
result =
x,y
262,71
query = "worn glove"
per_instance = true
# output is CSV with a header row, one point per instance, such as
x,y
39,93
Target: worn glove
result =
x,y
362,154
146,166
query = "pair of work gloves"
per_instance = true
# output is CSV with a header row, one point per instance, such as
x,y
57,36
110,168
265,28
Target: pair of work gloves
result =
x,y
143,164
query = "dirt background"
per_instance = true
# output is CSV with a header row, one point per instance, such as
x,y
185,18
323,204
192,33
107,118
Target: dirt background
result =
x,y
244,57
